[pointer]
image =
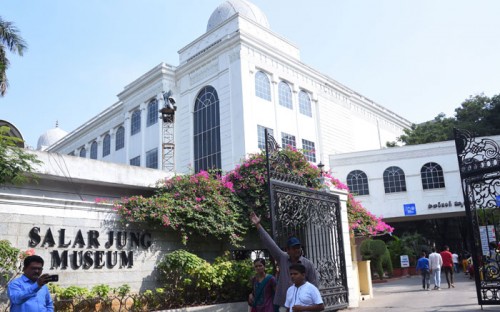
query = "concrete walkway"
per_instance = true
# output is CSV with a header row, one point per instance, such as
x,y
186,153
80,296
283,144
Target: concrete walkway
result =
x,y
406,294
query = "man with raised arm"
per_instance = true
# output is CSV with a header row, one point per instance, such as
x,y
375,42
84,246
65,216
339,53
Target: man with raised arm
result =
x,y
293,255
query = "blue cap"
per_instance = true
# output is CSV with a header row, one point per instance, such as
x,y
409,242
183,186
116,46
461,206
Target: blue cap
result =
x,y
292,241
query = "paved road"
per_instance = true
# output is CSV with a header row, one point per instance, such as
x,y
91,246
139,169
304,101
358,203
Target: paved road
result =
x,y
406,294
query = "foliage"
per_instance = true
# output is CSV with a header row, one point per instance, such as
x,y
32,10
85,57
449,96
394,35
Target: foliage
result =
x,y
101,290
16,164
479,114
9,257
397,248
201,203
210,204
122,290
12,41
192,278
376,251
436,130
10,262
362,222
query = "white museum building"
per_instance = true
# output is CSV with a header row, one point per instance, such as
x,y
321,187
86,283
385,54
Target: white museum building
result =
x,y
231,83
408,183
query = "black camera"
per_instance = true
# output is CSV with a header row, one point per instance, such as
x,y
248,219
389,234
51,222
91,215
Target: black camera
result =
x,y
53,278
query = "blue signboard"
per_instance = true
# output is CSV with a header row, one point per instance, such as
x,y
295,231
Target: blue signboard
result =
x,y
410,209
498,200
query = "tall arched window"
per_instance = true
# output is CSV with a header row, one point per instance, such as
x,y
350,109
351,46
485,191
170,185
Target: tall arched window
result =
x,y
357,181
432,176
207,149
262,86
120,138
394,180
285,95
83,152
106,145
305,103
93,150
152,113
135,122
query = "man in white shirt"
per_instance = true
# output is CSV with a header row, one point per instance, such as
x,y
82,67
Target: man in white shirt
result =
x,y
302,295
435,263
454,257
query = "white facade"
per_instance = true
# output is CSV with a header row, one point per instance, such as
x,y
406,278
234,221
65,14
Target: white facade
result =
x,y
432,203
238,47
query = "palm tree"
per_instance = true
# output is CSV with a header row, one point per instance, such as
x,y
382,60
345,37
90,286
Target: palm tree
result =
x,y
9,39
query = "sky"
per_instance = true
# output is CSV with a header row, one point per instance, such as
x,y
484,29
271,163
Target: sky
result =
x,y
417,58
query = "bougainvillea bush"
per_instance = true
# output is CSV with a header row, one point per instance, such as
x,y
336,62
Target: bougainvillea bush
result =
x,y
208,203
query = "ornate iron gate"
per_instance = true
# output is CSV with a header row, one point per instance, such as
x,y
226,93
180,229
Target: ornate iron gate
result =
x,y
479,164
314,217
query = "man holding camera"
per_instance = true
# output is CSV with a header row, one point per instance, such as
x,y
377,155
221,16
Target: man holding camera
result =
x,y
29,292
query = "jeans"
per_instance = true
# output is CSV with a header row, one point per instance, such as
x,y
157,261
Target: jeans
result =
x,y
426,279
436,274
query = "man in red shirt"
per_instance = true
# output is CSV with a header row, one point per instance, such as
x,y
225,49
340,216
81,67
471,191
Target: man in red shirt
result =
x,y
448,265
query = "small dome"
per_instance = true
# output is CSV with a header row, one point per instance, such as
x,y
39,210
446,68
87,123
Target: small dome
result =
x,y
231,7
50,137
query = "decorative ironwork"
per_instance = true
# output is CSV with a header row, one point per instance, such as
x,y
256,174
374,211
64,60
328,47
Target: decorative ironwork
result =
x,y
479,165
312,216
150,300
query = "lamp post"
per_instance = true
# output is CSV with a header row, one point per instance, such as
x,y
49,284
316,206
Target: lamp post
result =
x,y
321,166
321,177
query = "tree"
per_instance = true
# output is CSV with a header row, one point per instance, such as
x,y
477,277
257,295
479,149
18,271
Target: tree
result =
x,y
438,129
16,164
479,114
11,40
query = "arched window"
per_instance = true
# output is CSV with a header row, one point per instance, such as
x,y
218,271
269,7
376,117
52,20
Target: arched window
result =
x,y
285,95
120,138
262,86
93,150
135,123
207,149
106,145
357,181
83,152
432,176
152,113
394,180
305,103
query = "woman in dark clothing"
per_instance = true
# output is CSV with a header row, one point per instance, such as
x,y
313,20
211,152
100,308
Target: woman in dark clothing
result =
x,y
264,286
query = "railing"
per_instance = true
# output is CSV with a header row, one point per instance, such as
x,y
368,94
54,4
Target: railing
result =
x,y
148,301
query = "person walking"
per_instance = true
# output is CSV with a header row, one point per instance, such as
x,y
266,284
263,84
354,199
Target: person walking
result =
x,y
456,266
447,265
435,263
264,287
423,267
293,255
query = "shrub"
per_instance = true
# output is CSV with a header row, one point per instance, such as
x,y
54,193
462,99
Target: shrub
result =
x,y
11,259
376,251
193,279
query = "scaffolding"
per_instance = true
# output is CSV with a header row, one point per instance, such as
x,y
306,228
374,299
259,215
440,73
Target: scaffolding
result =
x,y
168,145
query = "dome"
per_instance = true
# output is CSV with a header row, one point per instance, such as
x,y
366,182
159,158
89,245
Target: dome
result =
x,y
231,7
50,137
